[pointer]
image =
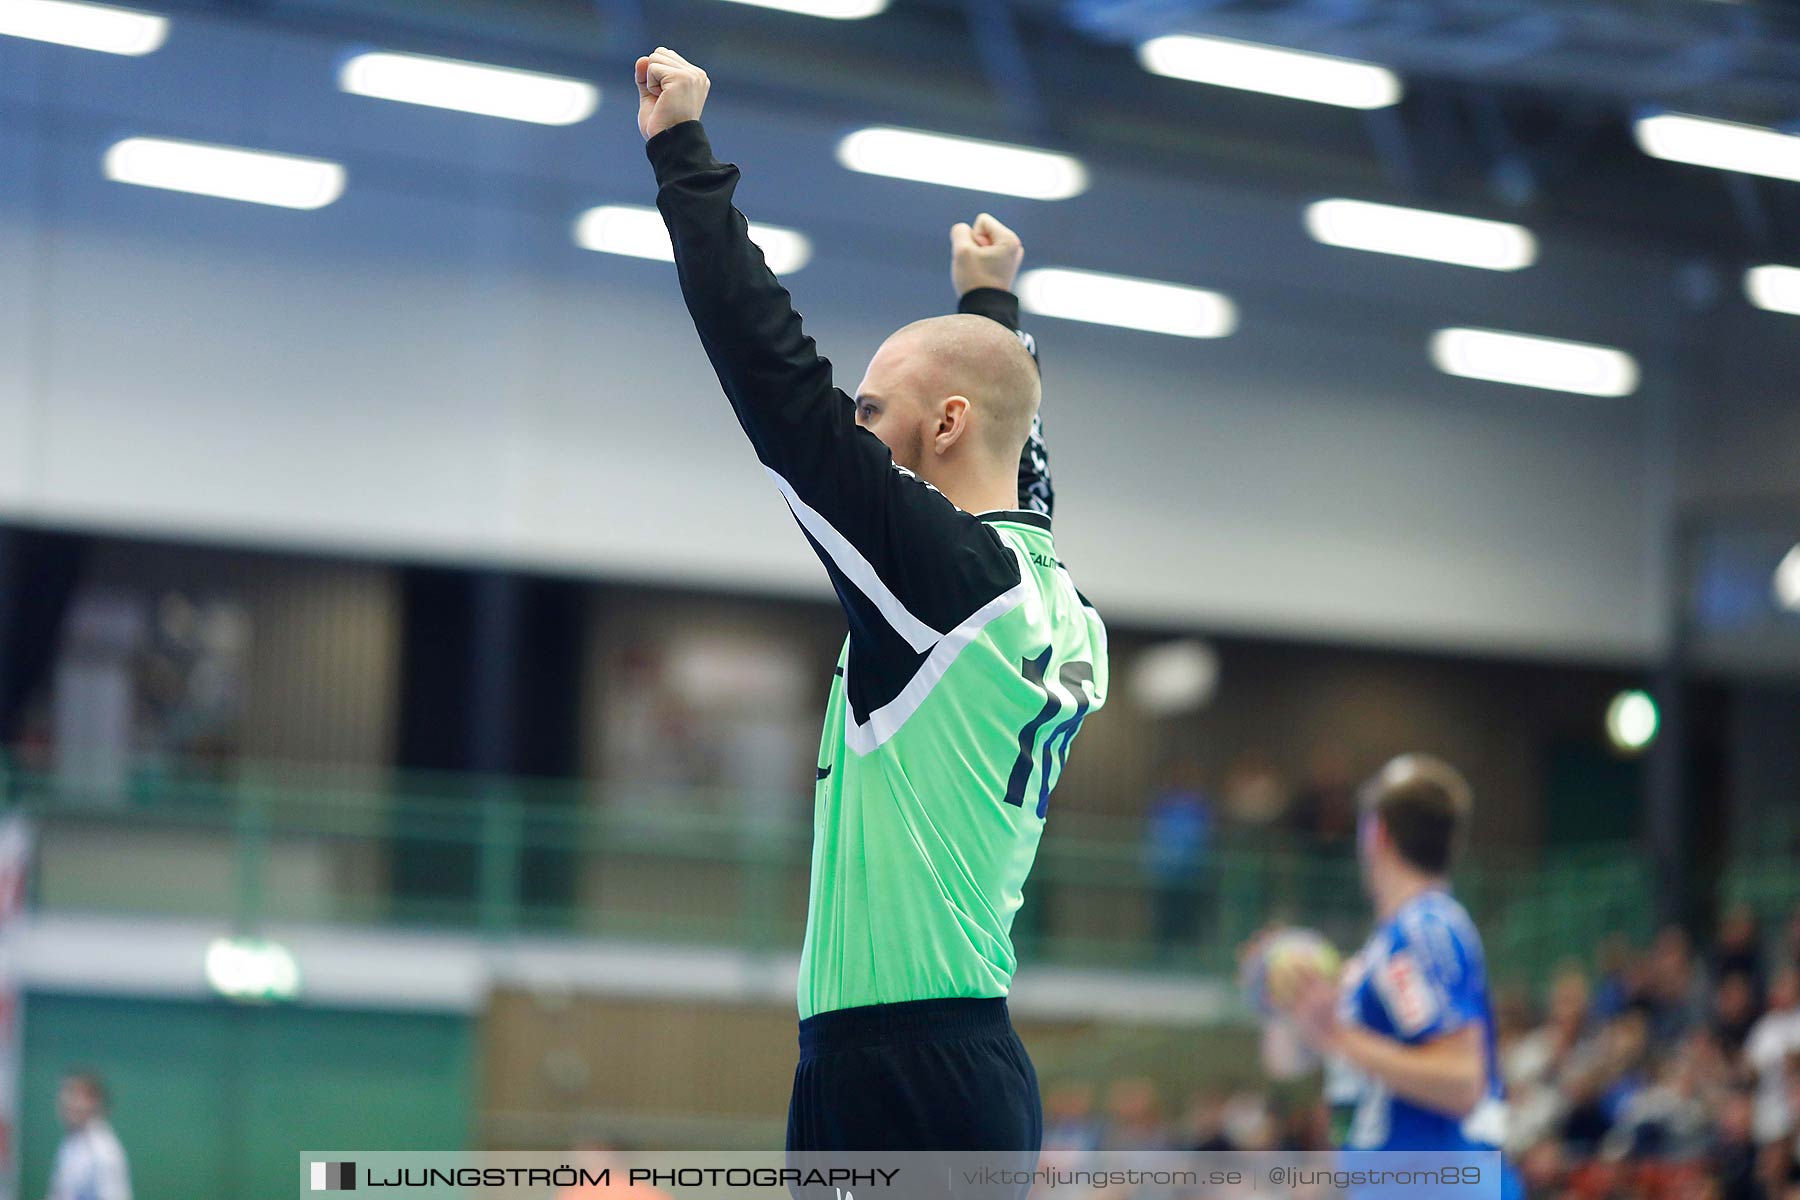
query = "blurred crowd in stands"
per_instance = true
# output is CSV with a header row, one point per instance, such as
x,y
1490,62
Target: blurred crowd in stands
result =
x,y
1183,819
1672,1071
1664,1072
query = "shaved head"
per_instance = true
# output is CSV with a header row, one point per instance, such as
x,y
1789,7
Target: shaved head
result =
x,y
907,398
967,355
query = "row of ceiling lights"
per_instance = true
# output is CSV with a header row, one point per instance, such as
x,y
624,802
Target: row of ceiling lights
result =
x,y
306,183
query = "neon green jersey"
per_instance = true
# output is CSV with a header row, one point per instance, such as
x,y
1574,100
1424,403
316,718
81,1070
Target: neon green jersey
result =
x,y
971,662
928,812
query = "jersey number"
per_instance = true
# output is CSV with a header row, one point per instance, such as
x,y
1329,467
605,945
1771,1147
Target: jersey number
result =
x,y
1071,676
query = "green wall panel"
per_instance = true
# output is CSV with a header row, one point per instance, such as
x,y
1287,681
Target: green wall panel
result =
x,y
216,1100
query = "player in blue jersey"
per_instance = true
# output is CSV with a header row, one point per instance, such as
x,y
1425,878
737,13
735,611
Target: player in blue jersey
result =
x,y
1406,1030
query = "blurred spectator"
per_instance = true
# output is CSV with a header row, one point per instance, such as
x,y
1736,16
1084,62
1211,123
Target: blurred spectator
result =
x,y
1535,1064
1602,1085
1618,979
1205,1130
595,1155
1667,1078
1780,1160
1254,792
1248,1123
1533,1057
1543,1168
1739,950
1513,1014
1673,992
1178,836
1306,1127
1070,1126
1772,1041
1733,1010
1134,1117
1732,1159
1325,806
1672,1118
90,1162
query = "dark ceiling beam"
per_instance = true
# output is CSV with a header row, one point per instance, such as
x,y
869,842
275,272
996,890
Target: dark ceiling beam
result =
x,y
1748,62
1008,66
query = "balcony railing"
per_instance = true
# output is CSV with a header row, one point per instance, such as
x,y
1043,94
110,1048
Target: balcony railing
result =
x,y
507,856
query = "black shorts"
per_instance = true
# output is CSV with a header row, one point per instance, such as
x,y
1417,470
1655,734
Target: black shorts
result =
x,y
937,1075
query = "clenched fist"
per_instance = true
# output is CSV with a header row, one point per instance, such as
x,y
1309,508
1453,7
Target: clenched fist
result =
x,y
670,90
985,254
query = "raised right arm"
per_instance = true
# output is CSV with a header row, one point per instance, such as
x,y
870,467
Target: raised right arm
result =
x,y
984,261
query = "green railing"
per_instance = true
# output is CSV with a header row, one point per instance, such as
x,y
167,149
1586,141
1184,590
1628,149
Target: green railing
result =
x,y
506,855
1765,871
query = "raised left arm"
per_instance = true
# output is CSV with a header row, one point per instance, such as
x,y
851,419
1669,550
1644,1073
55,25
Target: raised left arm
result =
x,y
908,565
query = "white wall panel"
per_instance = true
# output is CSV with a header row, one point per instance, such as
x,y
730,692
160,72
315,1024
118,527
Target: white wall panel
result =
x,y
20,301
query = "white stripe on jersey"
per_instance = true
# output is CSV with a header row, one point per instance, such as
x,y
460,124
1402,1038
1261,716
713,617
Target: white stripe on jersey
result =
x,y
848,559
885,721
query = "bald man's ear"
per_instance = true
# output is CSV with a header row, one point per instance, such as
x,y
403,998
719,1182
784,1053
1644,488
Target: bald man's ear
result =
x,y
952,423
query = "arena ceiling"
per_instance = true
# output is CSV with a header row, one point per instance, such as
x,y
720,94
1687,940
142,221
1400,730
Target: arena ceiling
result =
x,y
1513,107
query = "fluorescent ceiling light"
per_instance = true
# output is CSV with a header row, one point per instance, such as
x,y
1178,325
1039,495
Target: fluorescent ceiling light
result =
x,y
228,172
1774,288
837,10
470,87
1146,304
640,233
1534,362
963,163
1787,581
1725,145
1418,233
1297,74
1631,721
84,26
